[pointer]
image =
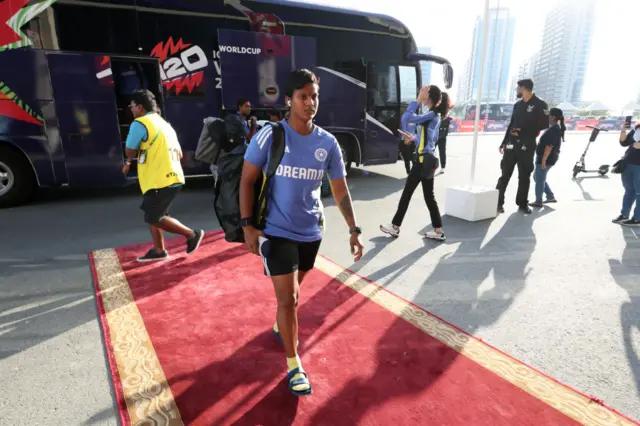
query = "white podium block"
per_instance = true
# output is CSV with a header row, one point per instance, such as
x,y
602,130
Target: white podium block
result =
x,y
471,203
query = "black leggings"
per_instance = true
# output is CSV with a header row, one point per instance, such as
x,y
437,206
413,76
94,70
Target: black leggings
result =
x,y
413,180
442,152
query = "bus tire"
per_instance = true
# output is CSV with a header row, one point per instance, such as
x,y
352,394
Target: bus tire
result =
x,y
346,147
17,181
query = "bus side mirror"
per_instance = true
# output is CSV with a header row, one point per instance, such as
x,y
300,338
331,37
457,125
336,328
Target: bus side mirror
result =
x,y
448,75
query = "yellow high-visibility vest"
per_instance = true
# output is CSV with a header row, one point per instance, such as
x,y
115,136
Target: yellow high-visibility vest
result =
x,y
161,155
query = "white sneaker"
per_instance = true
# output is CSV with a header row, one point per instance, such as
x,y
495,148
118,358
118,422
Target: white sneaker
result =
x,y
433,235
442,171
390,229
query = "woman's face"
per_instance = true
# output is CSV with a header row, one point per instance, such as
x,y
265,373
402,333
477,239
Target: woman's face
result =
x,y
553,121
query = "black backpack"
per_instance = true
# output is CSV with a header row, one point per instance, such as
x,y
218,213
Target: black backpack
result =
x,y
227,198
213,139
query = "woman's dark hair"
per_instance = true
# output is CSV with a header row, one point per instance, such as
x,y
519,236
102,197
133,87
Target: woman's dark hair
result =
x,y
298,79
146,99
438,100
445,105
557,113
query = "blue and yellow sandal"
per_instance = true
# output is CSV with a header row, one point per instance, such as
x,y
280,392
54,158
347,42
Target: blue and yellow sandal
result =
x,y
279,338
297,382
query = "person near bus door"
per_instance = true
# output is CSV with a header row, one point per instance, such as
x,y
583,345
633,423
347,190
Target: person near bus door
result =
x,y
407,144
530,116
160,174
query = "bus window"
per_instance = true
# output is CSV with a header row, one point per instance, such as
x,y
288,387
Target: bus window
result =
x,y
355,69
383,97
408,84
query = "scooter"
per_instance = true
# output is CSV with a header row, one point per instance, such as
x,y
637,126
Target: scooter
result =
x,y
580,166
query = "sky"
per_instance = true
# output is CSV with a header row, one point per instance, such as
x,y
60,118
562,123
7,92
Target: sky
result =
x,y
613,70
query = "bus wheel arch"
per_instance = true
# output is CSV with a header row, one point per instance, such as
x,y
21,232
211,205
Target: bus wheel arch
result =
x,y
350,147
17,176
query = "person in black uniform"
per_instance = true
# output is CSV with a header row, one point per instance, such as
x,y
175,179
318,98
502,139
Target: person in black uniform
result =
x,y
530,116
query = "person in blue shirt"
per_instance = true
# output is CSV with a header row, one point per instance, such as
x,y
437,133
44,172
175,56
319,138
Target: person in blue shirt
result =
x,y
428,127
291,239
547,153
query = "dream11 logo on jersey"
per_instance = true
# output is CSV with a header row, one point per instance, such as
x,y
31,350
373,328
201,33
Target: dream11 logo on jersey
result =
x,y
181,65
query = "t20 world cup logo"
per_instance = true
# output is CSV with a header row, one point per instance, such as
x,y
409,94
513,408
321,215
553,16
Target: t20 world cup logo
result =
x,y
181,65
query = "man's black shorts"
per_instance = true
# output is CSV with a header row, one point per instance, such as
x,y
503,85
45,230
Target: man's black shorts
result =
x,y
282,256
157,202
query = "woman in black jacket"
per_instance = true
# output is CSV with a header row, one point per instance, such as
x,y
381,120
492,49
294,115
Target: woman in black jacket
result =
x,y
547,153
630,177
444,132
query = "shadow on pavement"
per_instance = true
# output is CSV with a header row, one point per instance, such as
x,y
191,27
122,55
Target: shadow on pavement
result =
x,y
626,273
585,194
458,288
365,185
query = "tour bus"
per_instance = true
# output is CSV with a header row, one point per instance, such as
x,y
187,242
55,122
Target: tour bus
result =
x,y
494,117
68,66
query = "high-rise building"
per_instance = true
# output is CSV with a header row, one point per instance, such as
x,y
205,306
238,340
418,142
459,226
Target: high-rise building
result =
x,y
425,67
564,54
527,69
498,58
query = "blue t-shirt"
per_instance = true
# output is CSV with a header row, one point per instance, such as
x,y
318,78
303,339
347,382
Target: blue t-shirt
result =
x,y
294,198
137,134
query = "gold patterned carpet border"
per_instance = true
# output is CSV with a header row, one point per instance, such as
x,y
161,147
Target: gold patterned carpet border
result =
x,y
571,403
147,395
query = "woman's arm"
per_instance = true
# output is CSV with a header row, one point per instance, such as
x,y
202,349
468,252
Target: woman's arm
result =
x,y
626,139
411,117
545,155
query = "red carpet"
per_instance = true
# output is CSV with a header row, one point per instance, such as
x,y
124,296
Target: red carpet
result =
x,y
203,324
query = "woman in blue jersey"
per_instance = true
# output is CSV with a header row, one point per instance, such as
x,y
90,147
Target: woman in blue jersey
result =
x,y
428,126
292,236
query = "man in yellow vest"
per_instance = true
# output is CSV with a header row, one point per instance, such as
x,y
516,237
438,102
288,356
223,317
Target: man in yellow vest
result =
x,y
160,174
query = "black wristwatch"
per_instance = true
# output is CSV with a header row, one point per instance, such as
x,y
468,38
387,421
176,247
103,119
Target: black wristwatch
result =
x,y
355,229
246,221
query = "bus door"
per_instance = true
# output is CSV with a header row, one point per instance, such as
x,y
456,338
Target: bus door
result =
x,y
129,75
382,113
255,66
85,105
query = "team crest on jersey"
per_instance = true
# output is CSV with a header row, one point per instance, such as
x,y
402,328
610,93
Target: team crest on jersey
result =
x,y
530,108
321,154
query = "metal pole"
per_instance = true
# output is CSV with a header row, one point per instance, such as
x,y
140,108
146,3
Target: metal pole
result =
x,y
485,41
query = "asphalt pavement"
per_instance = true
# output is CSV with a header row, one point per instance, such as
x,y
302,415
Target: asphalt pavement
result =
x,y
558,289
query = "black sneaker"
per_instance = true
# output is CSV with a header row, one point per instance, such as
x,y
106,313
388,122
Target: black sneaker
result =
x,y
525,210
194,242
536,204
500,209
551,201
620,219
631,222
153,256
